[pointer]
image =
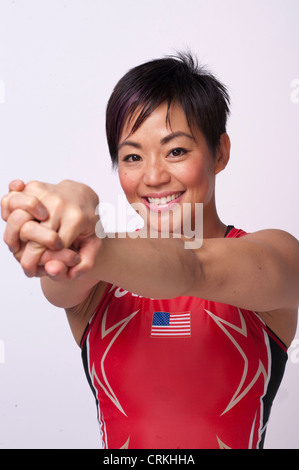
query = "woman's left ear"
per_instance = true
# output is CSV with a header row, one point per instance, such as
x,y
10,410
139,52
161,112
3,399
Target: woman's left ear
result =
x,y
223,153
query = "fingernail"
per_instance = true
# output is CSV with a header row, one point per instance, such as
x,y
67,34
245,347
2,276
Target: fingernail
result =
x,y
28,273
52,274
42,212
59,244
77,259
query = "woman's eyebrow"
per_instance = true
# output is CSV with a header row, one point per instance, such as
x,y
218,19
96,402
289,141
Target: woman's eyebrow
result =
x,y
130,143
173,135
163,141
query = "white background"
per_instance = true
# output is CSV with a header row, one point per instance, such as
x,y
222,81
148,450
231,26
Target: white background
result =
x,y
59,60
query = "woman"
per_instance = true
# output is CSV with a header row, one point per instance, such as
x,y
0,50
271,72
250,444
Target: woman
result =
x,y
183,348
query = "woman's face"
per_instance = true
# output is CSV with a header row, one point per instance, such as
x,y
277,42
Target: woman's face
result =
x,y
163,166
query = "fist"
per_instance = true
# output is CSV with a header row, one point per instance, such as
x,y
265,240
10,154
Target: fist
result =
x,y
45,220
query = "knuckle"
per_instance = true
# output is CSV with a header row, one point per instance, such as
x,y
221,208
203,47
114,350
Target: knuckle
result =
x,y
88,264
4,200
31,256
17,216
77,215
53,239
56,203
66,181
4,206
26,265
11,240
18,252
32,202
7,238
35,248
33,185
25,230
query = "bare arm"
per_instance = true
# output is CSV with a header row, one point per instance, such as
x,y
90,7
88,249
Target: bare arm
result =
x,y
257,272
251,272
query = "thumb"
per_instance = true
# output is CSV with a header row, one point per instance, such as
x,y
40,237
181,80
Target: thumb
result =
x,y
88,251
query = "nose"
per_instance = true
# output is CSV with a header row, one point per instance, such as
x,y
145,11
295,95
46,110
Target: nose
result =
x,y
155,173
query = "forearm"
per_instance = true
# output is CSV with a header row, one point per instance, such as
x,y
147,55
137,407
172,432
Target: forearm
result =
x,y
257,272
66,294
156,268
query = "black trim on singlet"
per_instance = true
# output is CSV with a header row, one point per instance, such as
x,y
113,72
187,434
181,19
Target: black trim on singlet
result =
x,y
275,337
84,334
228,229
84,355
278,363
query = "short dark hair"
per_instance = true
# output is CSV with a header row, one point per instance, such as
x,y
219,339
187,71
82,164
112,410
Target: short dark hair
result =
x,y
179,78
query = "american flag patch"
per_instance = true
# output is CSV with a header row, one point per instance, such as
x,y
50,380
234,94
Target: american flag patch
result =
x,y
171,324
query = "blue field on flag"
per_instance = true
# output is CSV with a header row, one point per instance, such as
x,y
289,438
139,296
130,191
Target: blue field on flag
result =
x,y
171,324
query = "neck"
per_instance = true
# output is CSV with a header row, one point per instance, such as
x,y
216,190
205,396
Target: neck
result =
x,y
213,227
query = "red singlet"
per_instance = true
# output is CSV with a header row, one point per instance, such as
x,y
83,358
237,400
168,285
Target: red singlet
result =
x,y
180,373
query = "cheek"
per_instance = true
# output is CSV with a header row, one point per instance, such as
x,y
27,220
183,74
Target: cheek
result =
x,y
194,176
128,183
199,180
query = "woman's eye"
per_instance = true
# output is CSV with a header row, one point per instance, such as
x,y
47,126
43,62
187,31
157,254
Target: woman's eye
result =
x,y
131,158
178,152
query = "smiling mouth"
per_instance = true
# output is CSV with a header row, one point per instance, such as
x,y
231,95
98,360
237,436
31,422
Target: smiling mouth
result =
x,y
163,201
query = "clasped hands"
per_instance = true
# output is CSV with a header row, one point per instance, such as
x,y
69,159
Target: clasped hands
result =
x,y
50,228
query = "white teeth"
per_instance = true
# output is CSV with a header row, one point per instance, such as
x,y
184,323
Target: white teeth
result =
x,y
163,200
